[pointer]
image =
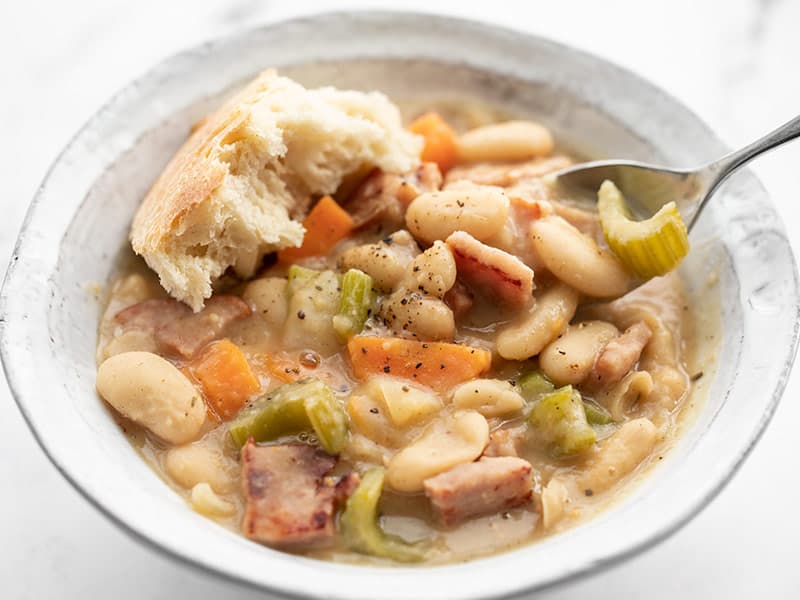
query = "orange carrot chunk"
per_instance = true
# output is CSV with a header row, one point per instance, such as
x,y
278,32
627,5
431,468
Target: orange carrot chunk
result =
x,y
440,140
226,378
438,365
325,225
279,368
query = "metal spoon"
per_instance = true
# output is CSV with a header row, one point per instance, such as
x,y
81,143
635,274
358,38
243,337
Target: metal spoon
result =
x,y
652,186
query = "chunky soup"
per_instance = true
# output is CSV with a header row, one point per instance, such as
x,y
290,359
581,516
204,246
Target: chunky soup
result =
x,y
452,363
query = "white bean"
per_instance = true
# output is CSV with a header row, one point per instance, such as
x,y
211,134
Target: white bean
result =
x,y
361,449
130,341
269,299
669,386
456,439
505,142
490,397
432,272
480,211
152,392
198,463
206,502
126,292
309,322
577,260
370,418
133,289
405,403
424,316
384,262
554,500
548,318
570,357
617,456
622,397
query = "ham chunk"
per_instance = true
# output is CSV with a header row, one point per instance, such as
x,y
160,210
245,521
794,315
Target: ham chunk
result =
x,y
588,223
494,272
621,354
473,489
427,177
187,335
176,329
459,299
151,314
134,328
290,500
385,196
506,174
503,442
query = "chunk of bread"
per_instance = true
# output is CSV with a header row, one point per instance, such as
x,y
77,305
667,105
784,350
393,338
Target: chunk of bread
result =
x,y
239,186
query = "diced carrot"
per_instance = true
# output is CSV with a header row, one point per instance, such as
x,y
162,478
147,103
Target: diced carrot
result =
x,y
280,368
326,225
438,365
440,140
226,378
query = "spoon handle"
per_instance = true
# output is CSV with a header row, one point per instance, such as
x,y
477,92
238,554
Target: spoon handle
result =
x,y
721,169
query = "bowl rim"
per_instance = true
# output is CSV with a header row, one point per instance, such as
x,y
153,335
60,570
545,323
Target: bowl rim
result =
x,y
15,278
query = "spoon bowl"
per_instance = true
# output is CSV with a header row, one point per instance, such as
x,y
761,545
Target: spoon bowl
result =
x,y
648,187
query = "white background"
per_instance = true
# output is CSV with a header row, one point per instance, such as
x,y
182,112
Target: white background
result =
x,y
733,62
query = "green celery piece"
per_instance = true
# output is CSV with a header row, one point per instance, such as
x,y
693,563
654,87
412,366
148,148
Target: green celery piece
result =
x,y
596,414
355,303
559,421
533,384
361,530
299,277
308,404
279,413
328,420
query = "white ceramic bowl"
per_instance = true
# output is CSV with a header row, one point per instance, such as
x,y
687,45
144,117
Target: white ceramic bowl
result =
x,y
78,223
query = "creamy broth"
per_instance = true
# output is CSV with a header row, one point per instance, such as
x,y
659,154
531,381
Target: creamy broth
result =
x,y
678,359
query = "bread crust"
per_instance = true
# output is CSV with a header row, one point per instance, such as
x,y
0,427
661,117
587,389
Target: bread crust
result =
x,y
195,172
239,186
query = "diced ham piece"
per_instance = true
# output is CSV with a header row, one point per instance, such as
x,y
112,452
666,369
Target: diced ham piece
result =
x,y
427,177
621,354
385,196
493,272
459,299
176,329
187,335
503,442
290,500
151,314
588,223
479,488
506,174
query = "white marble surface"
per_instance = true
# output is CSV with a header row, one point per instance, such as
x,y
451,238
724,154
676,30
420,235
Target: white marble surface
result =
x,y
735,63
